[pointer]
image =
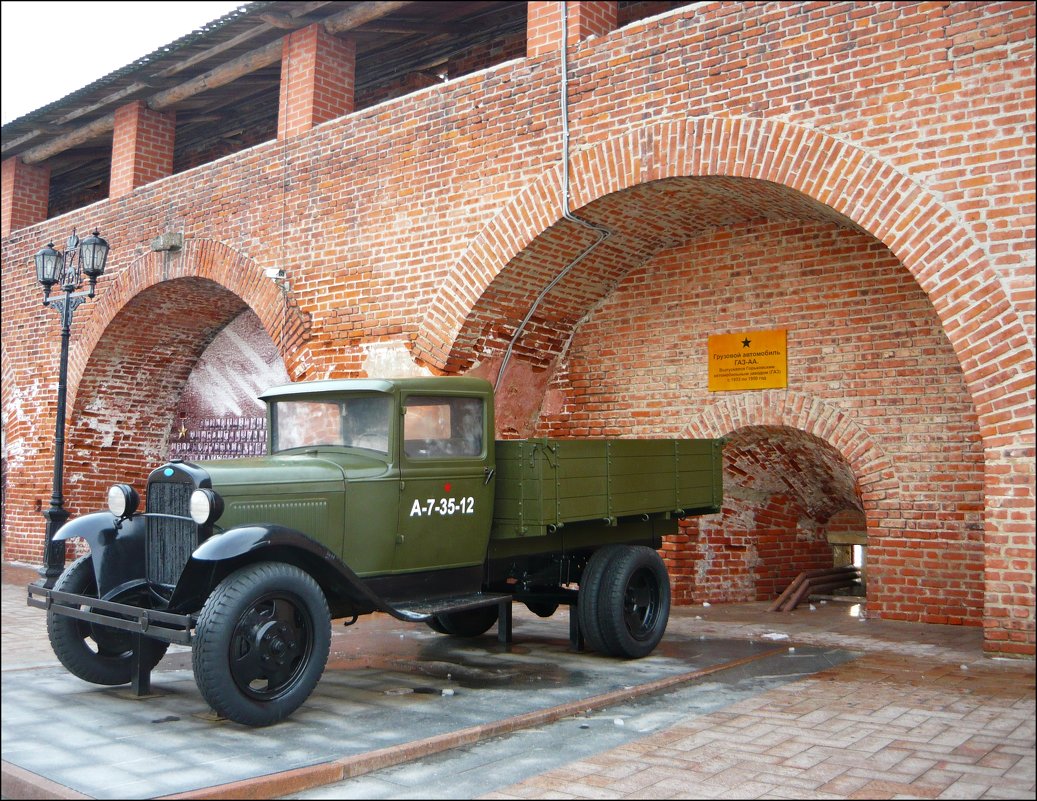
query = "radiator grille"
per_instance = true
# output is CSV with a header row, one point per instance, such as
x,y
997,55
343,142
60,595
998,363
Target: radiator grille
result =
x,y
169,542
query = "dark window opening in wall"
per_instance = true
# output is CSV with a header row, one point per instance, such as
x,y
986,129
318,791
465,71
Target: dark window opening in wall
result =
x,y
213,125
431,46
79,176
208,133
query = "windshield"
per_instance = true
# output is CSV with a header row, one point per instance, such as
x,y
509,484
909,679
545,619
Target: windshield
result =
x,y
360,422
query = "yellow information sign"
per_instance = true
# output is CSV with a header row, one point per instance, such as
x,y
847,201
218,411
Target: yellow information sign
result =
x,y
750,360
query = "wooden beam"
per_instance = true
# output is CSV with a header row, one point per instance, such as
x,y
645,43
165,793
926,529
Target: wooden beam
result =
x,y
361,13
413,26
99,127
300,9
285,22
219,76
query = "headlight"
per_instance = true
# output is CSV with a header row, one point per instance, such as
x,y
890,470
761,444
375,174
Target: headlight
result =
x,y
206,506
123,501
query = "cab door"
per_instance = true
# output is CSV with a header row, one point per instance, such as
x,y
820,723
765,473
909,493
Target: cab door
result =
x,y
446,486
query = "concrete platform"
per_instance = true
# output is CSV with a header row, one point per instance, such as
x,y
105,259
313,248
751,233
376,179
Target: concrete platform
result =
x,y
405,713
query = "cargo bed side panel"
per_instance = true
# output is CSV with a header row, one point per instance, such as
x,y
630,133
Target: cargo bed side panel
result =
x,y
545,484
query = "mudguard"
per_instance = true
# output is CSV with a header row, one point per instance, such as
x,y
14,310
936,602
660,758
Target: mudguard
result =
x,y
219,555
117,551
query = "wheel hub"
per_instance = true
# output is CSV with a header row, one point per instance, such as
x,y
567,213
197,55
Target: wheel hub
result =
x,y
276,643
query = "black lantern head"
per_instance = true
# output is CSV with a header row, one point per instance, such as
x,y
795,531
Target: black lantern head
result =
x,y
49,264
93,255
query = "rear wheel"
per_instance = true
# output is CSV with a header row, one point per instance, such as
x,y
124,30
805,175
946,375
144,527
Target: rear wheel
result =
x,y
468,622
262,642
634,604
92,652
588,600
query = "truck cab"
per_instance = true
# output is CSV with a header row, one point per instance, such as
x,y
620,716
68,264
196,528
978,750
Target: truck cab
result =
x,y
417,463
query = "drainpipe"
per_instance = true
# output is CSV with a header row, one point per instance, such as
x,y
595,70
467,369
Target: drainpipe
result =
x,y
602,232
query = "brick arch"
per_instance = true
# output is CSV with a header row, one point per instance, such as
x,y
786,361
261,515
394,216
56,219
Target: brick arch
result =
x,y
969,298
877,488
875,473
771,528
199,258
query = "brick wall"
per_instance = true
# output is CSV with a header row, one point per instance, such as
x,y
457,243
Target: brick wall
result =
x,y
318,73
900,135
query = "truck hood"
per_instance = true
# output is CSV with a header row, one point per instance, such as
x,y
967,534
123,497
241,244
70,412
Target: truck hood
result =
x,y
292,468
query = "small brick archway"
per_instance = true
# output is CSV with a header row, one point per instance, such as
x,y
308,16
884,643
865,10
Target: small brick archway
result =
x,y
876,477
840,182
808,463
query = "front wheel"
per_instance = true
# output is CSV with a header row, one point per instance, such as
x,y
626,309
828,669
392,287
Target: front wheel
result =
x,y
92,652
262,642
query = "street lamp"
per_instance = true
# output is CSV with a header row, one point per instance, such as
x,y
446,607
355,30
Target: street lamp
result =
x,y
54,268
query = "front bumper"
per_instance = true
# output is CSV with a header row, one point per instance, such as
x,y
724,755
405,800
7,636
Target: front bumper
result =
x,y
164,626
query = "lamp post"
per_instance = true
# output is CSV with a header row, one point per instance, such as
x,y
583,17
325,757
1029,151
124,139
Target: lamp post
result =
x,y
54,268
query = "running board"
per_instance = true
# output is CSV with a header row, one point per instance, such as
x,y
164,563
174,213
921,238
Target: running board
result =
x,y
420,611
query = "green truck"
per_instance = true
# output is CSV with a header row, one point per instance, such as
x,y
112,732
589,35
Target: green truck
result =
x,y
375,496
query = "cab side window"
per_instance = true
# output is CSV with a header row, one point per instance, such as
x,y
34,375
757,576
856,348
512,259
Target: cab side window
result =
x,y
442,428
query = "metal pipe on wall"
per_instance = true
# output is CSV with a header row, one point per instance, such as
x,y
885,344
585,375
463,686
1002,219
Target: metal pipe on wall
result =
x,y
602,232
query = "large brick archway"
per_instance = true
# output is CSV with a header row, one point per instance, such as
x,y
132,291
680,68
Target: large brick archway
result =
x,y
844,183
930,242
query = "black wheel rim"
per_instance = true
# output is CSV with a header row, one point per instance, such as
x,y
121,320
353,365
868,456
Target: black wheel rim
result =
x,y
271,646
641,604
108,641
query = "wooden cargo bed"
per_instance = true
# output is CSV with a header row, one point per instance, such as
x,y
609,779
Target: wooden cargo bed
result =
x,y
543,484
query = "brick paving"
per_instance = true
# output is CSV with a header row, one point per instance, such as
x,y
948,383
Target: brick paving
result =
x,y
868,729
920,714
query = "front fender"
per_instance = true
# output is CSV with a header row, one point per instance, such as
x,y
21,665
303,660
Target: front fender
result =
x,y
117,552
244,539
218,556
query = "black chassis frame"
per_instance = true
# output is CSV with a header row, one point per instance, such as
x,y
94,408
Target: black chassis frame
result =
x,y
117,548
117,551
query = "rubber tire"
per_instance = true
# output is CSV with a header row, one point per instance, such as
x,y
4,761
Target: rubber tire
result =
x,y
244,608
112,663
434,624
587,602
468,622
634,604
